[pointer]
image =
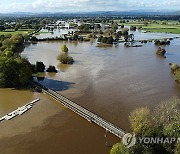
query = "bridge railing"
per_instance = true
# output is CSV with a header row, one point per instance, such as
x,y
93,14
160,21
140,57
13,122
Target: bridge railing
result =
x,y
85,113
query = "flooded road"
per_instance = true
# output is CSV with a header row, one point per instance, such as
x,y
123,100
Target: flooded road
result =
x,y
108,81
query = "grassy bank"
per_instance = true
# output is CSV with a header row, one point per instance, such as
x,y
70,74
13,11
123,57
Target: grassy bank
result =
x,y
20,31
155,26
169,28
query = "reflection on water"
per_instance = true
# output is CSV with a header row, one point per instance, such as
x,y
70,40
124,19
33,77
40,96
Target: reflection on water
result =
x,y
63,67
40,78
54,84
51,74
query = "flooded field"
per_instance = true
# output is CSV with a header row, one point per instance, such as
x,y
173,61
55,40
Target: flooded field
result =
x,y
116,79
108,81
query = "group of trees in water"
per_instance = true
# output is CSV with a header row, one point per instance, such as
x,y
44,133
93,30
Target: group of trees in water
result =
x,y
40,67
163,122
164,42
107,40
14,70
115,36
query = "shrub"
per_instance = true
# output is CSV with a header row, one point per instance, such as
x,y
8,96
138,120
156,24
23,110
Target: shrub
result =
x,y
161,51
122,26
64,48
174,67
133,28
156,42
64,58
125,31
87,39
51,69
33,38
100,38
119,149
177,75
144,41
90,36
107,40
176,71
40,67
165,42
119,34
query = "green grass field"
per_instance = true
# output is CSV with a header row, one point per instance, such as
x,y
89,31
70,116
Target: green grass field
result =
x,y
20,31
159,27
168,28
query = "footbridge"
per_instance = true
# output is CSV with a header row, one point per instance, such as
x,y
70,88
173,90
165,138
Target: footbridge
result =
x,y
83,112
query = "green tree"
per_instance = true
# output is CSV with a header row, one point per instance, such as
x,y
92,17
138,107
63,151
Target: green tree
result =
x,y
162,122
119,149
177,149
64,58
168,114
51,69
125,31
2,28
133,28
64,48
40,67
14,71
140,120
104,39
110,40
25,74
119,33
100,38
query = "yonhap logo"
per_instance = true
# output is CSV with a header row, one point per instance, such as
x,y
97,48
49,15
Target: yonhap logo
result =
x,y
129,140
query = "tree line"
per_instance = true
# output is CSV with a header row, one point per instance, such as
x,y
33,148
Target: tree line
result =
x,y
162,122
14,70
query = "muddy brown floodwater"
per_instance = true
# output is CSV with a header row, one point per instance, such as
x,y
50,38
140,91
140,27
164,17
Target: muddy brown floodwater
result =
x,y
108,81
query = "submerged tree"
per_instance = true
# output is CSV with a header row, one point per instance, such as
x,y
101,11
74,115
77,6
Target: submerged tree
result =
x,y
40,67
160,51
64,48
64,57
51,69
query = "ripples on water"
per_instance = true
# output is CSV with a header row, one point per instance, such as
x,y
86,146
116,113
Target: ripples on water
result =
x,y
108,81
116,79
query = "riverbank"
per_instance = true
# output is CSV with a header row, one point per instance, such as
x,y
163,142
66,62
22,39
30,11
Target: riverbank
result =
x,y
20,31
